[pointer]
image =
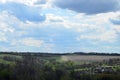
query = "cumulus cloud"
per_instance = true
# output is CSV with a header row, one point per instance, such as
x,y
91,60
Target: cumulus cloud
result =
x,y
23,12
57,32
109,36
2,37
88,6
26,2
40,1
5,29
31,42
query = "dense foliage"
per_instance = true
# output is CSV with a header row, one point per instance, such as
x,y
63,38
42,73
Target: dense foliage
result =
x,y
29,67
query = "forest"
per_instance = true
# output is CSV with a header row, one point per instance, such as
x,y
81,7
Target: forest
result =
x,y
37,66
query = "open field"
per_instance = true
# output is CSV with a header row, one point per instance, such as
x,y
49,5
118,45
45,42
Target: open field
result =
x,y
59,58
87,58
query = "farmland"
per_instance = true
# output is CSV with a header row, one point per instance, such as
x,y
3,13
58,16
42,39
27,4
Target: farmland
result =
x,y
87,58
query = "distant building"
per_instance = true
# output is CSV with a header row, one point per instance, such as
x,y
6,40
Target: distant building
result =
x,y
104,69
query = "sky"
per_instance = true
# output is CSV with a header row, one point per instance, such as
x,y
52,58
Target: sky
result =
x,y
60,26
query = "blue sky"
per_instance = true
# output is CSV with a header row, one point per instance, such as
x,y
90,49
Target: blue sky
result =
x,y
60,25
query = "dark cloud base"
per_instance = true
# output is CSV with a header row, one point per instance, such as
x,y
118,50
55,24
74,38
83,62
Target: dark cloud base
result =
x,y
88,6
23,12
116,22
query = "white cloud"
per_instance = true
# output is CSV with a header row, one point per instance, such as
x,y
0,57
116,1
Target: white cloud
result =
x,y
108,36
31,42
27,2
5,28
117,28
52,17
3,48
48,47
2,37
37,3
97,19
20,35
96,27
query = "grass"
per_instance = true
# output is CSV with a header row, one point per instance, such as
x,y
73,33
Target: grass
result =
x,y
82,69
6,62
3,55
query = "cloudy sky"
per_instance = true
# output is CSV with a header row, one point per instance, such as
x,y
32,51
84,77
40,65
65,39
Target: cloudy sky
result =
x,y
60,25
